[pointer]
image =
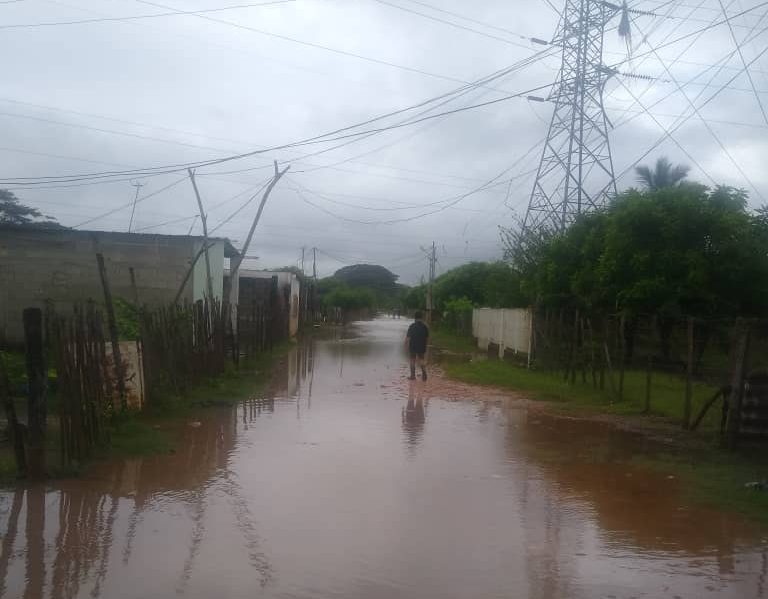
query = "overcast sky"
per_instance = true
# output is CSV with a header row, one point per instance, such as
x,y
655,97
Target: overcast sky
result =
x,y
114,95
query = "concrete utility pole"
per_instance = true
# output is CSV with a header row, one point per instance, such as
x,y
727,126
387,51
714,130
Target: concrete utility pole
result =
x,y
138,187
430,301
204,220
302,259
234,263
314,263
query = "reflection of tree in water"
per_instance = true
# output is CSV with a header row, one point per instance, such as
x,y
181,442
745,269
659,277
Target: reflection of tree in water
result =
x,y
414,417
89,511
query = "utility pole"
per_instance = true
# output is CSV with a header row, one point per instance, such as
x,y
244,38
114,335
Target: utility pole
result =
x,y
138,187
430,298
234,263
302,259
314,263
575,173
204,220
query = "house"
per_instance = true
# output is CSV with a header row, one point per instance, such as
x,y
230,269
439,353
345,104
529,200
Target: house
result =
x,y
255,287
59,265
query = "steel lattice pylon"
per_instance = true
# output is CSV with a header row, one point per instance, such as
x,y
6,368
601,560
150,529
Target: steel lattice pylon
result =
x,y
575,174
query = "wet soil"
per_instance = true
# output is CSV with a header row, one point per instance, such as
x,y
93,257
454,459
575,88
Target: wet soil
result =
x,y
346,481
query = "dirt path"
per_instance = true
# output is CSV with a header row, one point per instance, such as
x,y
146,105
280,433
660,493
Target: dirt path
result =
x,y
347,481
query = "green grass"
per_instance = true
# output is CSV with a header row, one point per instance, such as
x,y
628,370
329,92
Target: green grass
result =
x,y
667,391
450,341
716,478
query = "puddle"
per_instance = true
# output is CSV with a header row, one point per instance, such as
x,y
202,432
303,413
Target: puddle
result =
x,y
346,481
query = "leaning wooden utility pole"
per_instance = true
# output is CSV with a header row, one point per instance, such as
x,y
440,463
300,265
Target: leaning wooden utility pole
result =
x,y
204,220
234,265
113,334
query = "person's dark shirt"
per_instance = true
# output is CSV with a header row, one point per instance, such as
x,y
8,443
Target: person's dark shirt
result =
x,y
418,333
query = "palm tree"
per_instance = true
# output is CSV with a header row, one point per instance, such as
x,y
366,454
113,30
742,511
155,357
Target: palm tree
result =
x,y
663,174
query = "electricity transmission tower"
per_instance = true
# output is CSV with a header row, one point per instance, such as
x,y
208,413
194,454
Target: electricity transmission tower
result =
x,y
575,174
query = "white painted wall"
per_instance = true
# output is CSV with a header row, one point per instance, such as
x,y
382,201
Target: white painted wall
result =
x,y
510,329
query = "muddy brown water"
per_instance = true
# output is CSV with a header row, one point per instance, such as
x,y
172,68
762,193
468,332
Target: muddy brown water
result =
x,y
344,481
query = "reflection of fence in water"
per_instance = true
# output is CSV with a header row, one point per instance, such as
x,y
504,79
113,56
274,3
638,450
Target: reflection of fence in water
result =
x,y
63,541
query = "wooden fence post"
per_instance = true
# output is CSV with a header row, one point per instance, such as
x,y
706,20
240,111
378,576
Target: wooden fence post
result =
x,y
689,377
113,336
608,359
36,400
134,288
623,355
737,386
15,430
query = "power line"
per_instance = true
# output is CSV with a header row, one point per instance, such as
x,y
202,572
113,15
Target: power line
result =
x,y
176,142
470,20
131,203
211,209
743,61
313,44
182,166
720,67
504,73
153,171
243,206
139,17
668,134
456,25
174,168
677,126
443,204
690,34
318,139
704,122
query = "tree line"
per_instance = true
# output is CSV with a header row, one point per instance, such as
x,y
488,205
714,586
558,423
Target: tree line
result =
x,y
670,247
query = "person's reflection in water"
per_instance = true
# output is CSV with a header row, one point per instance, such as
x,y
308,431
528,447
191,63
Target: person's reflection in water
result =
x,y
414,416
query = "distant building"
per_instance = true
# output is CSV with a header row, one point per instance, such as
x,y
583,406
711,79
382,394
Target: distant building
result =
x,y
37,265
256,285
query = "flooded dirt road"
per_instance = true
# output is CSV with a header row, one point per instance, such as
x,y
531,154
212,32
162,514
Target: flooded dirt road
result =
x,y
344,481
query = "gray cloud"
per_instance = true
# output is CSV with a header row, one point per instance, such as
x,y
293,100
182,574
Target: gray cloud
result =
x,y
176,89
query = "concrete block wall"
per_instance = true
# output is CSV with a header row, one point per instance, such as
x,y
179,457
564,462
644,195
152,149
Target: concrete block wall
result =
x,y
60,265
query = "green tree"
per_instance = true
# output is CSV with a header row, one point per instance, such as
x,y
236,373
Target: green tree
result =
x,y
13,212
349,299
662,175
371,276
487,284
675,251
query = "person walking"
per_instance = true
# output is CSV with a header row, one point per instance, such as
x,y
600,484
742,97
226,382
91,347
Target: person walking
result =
x,y
416,344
